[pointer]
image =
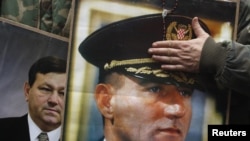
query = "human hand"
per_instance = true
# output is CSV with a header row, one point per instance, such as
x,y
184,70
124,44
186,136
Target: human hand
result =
x,y
180,55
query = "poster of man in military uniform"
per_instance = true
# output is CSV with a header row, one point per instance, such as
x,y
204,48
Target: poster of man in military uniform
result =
x,y
83,115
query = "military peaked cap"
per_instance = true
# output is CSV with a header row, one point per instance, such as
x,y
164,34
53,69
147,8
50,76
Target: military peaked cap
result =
x,y
123,46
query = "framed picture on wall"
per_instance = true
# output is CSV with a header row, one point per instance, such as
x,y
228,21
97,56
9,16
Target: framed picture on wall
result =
x,y
21,46
30,31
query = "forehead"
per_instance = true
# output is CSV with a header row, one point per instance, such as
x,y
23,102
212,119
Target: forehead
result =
x,y
51,78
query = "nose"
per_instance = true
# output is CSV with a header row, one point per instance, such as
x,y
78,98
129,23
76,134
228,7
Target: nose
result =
x,y
175,104
175,110
53,99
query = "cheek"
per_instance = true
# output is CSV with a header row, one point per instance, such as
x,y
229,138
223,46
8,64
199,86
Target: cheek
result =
x,y
189,112
61,103
125,103
131,108
134,116
37,99
188,105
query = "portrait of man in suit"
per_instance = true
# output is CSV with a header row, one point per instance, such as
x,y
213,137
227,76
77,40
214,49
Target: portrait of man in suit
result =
x,y
44,94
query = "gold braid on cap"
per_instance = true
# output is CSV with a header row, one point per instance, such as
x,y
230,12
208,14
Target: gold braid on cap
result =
x,y
146,70
177,76
115,63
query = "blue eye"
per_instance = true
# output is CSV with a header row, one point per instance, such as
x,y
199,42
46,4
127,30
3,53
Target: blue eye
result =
x,y
186,92
155,89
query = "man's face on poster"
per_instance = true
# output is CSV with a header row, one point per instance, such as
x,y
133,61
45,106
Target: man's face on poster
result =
x,y
140,110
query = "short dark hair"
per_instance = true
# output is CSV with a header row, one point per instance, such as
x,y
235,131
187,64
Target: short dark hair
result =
x,y
46,65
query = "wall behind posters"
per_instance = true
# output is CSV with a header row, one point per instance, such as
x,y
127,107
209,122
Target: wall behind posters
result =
x,y
83,121
21,46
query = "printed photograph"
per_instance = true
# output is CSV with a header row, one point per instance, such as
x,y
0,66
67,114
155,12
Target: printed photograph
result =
x,y
34,37
116,92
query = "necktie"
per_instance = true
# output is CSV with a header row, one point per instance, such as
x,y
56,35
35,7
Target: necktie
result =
x,y
43,137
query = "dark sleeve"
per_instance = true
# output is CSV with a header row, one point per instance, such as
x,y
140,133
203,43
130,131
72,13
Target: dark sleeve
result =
x,y
229,62
243,29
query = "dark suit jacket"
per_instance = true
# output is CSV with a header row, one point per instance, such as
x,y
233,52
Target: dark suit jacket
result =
x,y
14,129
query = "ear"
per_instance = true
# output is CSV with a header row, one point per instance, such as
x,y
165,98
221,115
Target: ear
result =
x,y
103,95
26,89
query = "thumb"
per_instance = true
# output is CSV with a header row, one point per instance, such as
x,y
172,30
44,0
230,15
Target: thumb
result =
x,y
198,30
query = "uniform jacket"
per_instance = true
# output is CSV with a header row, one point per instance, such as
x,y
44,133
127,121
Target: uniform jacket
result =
x,y
227,64
232,64
14,129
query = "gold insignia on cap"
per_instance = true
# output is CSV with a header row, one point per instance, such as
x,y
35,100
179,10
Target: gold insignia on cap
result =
x,y
177,31
178,76
117,63
146,70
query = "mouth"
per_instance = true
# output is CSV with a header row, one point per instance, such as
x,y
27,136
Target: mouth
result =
x,y
52,110
173,132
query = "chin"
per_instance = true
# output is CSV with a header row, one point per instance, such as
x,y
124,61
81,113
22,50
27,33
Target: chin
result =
x,y
52,120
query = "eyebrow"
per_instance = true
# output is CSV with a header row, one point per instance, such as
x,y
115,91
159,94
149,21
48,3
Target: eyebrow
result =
x,y
51,86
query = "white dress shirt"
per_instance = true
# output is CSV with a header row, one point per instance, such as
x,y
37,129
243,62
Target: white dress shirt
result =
x,y
34,131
